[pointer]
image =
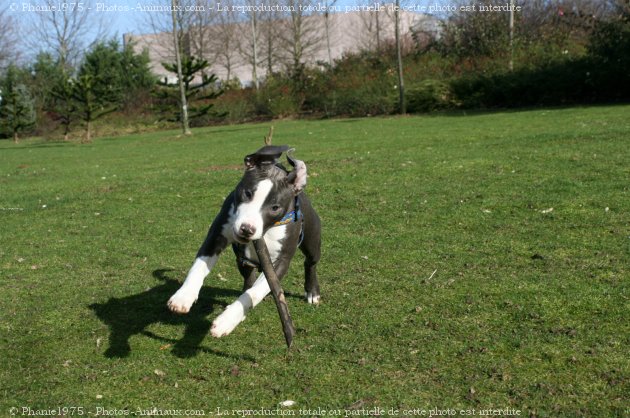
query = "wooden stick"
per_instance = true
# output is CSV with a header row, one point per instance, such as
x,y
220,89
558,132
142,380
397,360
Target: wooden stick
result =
x,y
269,135
276,290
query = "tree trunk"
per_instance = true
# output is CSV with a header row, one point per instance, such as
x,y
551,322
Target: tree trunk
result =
x,y
401,82
327,22
16,139
88,132
378,32
269,58
511,63
178,59
255,47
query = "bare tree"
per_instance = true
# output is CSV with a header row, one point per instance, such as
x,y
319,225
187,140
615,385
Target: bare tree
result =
x,y
249,45
302,34
472,35
270,42
538,15
199,22
66,31
371,37
328,4
9,51
224,38
254,25
159,22
192,20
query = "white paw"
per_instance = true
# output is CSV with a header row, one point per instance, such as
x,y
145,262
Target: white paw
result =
x,y
312,299
181,301
225,323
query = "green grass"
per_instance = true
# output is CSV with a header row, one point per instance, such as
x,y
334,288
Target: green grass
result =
x,y
527,309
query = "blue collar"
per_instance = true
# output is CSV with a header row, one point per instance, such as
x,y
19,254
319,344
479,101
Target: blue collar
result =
x,y
294,216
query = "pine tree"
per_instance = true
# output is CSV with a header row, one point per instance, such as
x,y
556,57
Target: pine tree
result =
x,y
17,111
109,78
122,73
63,105
100,84
91,103
198,94
44,74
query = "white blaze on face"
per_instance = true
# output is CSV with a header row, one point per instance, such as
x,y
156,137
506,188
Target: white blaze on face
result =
x,y
250,212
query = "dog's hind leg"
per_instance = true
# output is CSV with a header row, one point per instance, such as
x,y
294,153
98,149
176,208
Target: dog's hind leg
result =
x,y
311,248
249,275
311,285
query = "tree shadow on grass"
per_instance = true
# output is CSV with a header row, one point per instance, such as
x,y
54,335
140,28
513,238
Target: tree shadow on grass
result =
x,y
131,315
52,144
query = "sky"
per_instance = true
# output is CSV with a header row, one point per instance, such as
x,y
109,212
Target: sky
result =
x,y
126,16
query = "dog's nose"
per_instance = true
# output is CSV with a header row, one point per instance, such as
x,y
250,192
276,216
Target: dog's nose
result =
x,y
247,230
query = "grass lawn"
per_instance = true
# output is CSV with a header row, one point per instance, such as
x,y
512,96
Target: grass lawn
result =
x,y
469,262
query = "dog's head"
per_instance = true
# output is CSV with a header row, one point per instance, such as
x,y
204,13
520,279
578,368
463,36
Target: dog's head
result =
x,y
266,192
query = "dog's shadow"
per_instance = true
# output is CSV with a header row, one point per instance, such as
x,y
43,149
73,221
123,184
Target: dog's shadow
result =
x,y
131,315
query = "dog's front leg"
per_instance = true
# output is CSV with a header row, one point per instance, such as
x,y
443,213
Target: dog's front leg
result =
x,y
236,312
207,256
183,299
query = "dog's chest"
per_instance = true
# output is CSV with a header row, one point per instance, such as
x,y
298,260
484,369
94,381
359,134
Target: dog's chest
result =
x,y
274,239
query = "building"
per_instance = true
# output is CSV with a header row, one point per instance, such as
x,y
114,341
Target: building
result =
x,y
229,45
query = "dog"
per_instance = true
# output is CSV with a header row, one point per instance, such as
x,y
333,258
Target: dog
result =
x,y
270,203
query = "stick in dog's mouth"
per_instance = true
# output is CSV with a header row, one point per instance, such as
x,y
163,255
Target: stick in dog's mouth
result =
x,y
276,290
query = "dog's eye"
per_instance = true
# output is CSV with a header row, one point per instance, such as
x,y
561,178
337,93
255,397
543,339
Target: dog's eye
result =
x,y
248,194
275,208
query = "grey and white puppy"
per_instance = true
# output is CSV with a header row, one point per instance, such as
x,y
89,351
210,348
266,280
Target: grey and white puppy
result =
x,y
269,202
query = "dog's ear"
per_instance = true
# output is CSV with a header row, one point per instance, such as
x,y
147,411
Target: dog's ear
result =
x,y
297,177
265,157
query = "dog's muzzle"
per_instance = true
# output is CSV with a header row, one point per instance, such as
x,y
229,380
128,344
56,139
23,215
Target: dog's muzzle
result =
x,y
244,233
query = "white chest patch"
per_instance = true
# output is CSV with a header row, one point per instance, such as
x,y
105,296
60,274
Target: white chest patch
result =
x,y
273,239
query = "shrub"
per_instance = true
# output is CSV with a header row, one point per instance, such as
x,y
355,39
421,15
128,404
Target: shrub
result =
x,y
275,99
600,76
370,98
428,96
609,48
235,106
358,85
553,84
